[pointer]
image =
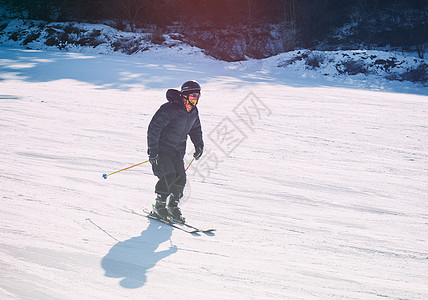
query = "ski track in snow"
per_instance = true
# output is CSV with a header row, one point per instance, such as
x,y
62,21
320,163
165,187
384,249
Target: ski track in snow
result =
x,y
321,194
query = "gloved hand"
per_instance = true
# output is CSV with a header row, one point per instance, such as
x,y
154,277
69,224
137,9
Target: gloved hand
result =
x,y
153,156
199,149
154,160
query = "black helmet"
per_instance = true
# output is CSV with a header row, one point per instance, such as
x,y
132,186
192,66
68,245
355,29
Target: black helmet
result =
x,y
190,87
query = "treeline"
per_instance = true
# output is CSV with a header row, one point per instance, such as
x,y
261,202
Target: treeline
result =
x,y
214,12
312,20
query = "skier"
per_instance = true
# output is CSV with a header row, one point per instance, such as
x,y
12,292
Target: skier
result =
x,y
166,140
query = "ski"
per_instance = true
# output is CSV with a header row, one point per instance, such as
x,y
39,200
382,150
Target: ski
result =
x,y
184,223
166,222
193,227
153,217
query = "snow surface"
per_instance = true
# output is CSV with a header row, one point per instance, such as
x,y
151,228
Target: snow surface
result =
x,y
317,187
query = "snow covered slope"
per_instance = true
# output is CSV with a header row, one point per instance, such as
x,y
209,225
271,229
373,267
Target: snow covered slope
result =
x,y
317,188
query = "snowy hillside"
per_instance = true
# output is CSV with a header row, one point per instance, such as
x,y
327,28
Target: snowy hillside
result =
x,y
317,186
103,39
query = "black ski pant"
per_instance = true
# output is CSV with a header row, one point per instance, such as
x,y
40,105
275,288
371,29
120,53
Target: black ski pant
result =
x,y
171,174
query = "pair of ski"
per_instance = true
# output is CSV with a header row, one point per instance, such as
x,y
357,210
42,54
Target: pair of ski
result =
x,y
178,224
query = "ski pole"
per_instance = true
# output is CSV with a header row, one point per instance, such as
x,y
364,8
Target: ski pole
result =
x,y
105,175
189,164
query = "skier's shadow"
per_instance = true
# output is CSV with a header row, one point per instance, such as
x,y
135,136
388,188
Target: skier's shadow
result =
x,y
132,258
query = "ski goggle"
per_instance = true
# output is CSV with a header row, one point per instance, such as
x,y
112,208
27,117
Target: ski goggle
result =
x,y
192,98
192,95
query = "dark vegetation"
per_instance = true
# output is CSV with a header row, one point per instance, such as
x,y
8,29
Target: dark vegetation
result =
x,y
233,29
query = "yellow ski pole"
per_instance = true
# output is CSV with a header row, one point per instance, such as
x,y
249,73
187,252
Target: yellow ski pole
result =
x,y
190,164
105,175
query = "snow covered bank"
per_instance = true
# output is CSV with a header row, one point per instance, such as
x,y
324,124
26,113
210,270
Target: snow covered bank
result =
x,y
394,66
103,39
77,37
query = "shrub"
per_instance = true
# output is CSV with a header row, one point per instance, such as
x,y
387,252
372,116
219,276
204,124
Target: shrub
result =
x,y
157,35
128,46
90,40
31,37
158,38
388,64
70,29
314,61
292,60
15,36
3,26
95,33
52,42
418,74
351,67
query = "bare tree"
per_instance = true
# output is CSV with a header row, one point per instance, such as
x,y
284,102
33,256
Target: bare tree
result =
x,y
130,10
290,24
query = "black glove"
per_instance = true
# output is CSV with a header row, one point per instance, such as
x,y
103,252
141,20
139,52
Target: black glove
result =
x,y
154,160
153,156
198,151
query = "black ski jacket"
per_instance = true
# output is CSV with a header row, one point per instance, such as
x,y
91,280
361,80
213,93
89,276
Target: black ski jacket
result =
x,y
171,124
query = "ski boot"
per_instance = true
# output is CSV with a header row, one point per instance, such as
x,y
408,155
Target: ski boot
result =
x,y
173,209
159,208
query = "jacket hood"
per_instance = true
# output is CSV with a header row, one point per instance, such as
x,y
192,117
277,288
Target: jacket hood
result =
x,y
174,96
